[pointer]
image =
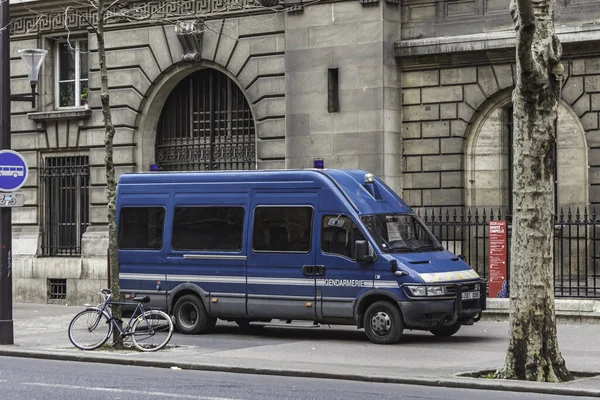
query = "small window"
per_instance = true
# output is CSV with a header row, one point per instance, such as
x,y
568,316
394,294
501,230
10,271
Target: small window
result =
x,y
208,228
141,228
71,73
339,234
282,229
333,90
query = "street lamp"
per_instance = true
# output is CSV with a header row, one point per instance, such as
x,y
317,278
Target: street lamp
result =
x,y
33,59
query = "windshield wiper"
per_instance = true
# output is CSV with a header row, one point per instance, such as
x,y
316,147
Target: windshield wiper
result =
x,y
386,244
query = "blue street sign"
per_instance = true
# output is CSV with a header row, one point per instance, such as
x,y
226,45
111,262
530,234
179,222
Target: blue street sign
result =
x,y
13,170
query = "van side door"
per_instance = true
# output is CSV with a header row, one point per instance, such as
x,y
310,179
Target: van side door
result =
x,y
206,247
281,268
343,279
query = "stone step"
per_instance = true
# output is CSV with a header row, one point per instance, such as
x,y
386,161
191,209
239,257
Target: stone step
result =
x,y
567,310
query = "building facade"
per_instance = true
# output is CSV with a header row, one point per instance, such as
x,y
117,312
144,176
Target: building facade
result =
x,y
417,92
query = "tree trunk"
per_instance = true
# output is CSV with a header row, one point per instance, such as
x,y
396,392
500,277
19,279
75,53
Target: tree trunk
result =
x,y
533,352
111,185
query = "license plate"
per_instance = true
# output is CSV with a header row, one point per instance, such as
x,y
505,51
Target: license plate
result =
x,y
470,295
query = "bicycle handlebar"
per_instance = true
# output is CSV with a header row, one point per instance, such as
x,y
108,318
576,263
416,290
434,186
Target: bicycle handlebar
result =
x,y
105,293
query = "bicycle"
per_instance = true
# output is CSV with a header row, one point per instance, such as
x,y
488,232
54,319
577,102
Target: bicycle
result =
x,y
7,199
149,330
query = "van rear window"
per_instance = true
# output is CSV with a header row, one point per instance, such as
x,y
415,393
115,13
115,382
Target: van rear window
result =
x,y
282,229
208,228
141,228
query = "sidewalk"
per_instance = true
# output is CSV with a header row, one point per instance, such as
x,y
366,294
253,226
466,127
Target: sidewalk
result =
x,y
337,352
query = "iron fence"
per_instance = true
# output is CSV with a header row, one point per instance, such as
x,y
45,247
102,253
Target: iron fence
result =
x,y
576,244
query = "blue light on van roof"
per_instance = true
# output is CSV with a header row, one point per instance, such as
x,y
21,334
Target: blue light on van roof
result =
x,y
319,163
153,166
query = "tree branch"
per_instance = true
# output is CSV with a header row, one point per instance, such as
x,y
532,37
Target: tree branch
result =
x,y
80,15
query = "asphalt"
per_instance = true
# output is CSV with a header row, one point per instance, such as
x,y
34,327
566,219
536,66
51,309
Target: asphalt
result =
x,y
335,352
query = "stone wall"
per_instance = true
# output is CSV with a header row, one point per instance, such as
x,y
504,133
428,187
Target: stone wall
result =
x,y
358,40
443,18
145,64
444,112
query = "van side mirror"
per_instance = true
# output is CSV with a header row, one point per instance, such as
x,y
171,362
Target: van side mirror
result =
x,y
362,251
461,256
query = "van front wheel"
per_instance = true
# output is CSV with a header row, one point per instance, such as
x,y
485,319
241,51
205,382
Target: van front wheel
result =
x,y
191,316
383,323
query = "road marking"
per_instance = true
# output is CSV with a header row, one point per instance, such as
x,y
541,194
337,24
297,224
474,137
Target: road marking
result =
x,y
128,391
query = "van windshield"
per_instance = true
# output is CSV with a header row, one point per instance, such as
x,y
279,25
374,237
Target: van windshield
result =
x,y
401,233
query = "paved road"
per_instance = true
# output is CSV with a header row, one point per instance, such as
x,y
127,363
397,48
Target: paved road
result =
x,y
336,352
26,379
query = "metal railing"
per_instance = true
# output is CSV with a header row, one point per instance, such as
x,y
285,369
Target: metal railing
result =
x,y
576,244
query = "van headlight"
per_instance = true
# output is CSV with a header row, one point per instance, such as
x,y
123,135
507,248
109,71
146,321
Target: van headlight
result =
x,y
421,291
436,290
417,290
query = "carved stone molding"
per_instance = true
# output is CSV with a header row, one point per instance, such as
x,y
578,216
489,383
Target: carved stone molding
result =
x,y
31,21
190,35
293,6
268,3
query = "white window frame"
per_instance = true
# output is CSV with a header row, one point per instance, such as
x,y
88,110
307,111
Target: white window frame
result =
x,y
76,44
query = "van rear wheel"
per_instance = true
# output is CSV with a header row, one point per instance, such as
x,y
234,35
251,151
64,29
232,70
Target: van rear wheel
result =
x,y
383,323
191,316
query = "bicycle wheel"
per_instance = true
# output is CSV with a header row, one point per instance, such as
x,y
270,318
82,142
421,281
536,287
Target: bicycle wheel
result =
x,y
152,330
90,329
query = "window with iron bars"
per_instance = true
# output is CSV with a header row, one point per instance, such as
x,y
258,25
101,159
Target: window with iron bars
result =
x,y
65,183
206,124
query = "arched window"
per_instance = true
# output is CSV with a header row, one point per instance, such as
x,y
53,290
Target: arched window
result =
x,y
489,158
206,124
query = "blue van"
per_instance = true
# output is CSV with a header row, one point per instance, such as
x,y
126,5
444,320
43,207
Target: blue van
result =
x,y
321,245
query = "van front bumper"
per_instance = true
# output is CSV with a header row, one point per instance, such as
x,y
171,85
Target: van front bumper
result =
x,y
429,313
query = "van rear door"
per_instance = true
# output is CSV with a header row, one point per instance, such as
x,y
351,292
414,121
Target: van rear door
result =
x,y
141,220
281,268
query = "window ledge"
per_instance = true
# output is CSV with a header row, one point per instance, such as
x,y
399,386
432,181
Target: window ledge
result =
x,y
74,113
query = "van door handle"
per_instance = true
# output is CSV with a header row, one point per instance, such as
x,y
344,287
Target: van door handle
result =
x,y
308,270
313,270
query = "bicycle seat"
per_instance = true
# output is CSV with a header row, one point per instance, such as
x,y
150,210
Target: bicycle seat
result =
x,y
106,291
145,299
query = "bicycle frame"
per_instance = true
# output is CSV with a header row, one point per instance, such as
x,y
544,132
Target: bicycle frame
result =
x,y
139,309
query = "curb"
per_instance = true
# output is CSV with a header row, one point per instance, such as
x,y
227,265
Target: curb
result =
x,y
451,382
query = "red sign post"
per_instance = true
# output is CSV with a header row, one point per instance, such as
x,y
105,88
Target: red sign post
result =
x,y
497,278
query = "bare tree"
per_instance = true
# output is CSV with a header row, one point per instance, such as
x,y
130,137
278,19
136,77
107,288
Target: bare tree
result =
x,y
111,184
533,352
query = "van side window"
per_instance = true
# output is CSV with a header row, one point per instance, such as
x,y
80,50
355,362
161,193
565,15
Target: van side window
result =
x,y
208,228
282,229
141,228
339,235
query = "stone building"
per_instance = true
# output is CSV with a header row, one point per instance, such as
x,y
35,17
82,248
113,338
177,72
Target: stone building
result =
x,y
415,91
